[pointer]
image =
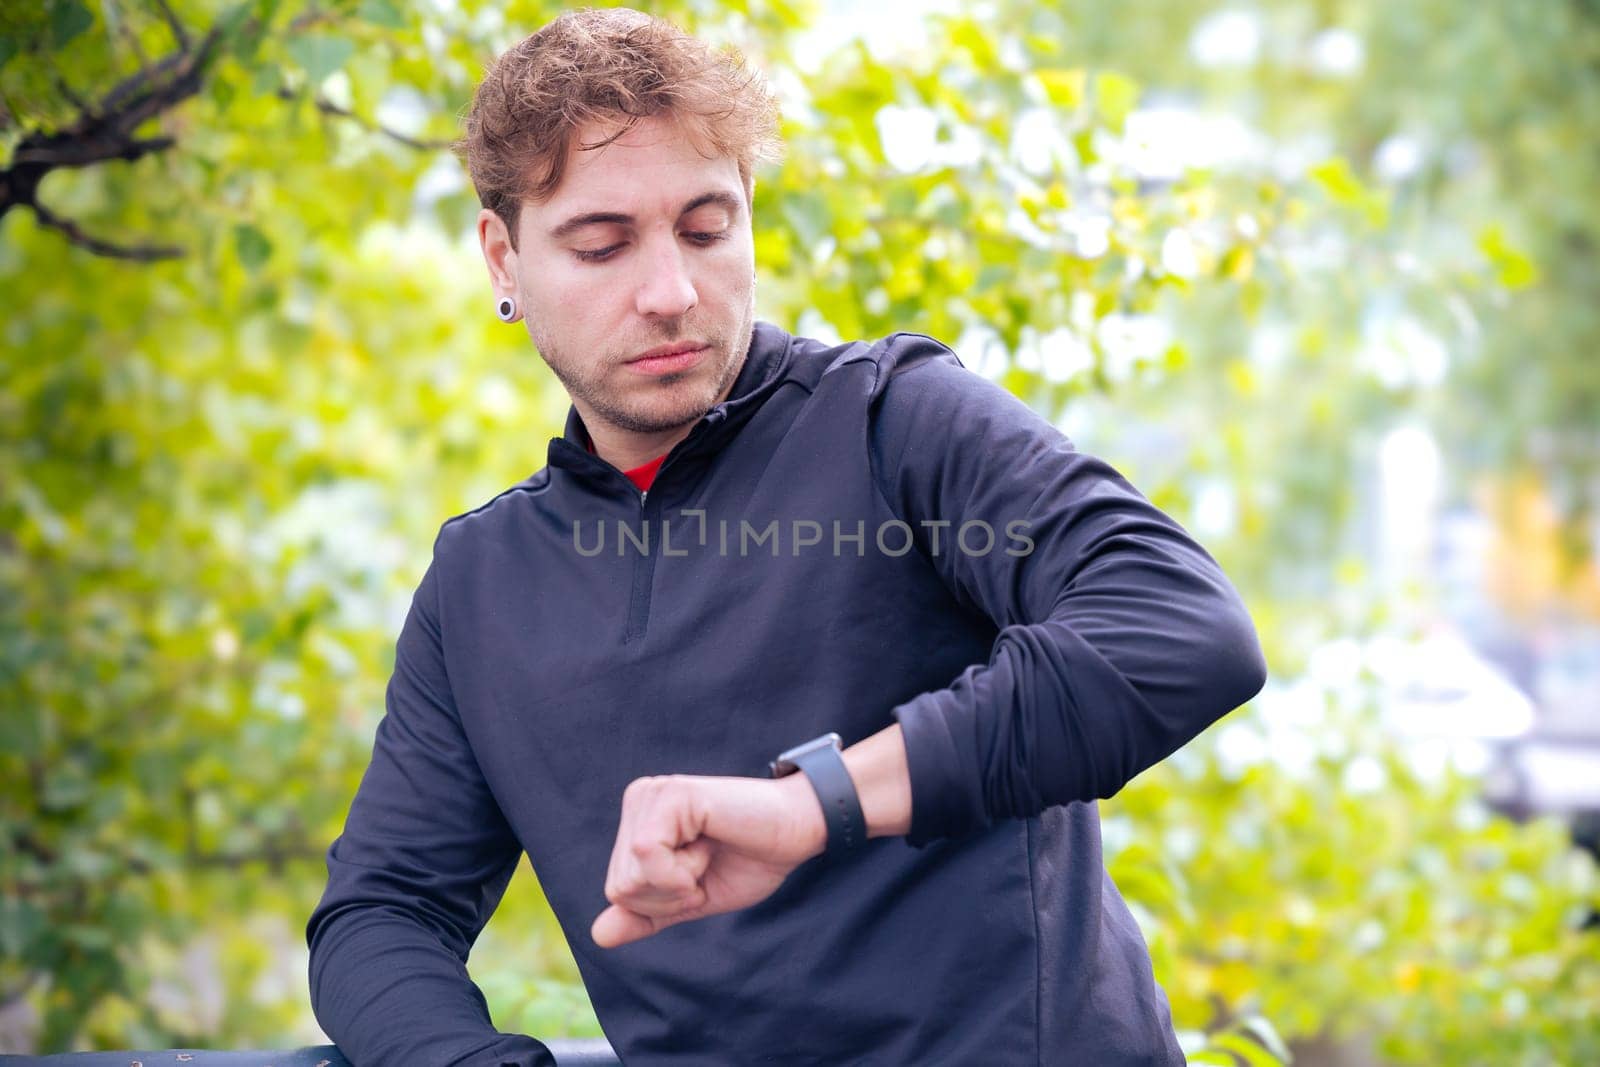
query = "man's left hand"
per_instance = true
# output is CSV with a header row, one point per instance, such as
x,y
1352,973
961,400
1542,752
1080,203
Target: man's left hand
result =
x,y
690,846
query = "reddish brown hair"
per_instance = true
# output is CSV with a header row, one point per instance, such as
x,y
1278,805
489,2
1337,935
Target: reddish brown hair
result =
x,y
610,65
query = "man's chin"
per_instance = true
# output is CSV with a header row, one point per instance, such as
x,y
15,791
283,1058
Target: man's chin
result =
x,y
666,403
656,420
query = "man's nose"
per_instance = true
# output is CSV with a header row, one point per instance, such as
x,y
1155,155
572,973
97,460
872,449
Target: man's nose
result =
x,y
665,289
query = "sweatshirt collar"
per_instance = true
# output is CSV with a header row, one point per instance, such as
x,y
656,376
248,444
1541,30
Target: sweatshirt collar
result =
x,y
764,367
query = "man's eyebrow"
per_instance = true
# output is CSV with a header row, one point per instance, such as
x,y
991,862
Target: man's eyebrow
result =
x,y
720,198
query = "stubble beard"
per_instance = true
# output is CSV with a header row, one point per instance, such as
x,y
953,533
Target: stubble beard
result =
x,y
667,402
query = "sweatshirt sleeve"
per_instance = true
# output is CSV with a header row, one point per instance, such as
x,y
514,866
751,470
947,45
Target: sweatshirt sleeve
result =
x,y
421,865
1120,638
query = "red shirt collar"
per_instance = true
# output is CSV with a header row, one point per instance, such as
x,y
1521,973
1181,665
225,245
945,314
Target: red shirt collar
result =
x,y
643,475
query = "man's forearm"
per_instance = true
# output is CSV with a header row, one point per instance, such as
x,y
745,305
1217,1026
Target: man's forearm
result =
x,y
877,765
424,857
386,991
1117,637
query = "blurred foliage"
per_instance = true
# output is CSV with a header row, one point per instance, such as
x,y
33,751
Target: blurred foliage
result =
x,y
1359,898
220,471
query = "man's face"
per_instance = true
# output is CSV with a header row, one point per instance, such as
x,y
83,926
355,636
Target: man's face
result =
x,y
638,278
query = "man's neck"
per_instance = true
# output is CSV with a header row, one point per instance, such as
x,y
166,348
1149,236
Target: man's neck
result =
x,y
625,450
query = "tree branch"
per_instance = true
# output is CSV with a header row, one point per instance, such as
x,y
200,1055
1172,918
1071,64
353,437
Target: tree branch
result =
x,y
178,32
105,132
129,36
99,246
307,19
139,79
86,152
60,82
328,107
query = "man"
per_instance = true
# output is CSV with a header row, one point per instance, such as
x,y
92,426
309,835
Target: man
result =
x,y
743,542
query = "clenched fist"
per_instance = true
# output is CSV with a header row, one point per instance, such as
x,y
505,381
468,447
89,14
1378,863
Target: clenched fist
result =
x,y
689,846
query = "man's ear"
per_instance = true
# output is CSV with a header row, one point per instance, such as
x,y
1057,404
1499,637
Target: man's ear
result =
x,y
498,255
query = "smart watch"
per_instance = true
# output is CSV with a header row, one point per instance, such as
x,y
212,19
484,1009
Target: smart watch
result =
x,y
823,765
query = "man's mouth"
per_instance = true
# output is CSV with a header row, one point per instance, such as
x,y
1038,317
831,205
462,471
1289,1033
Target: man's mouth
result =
x,y
680,355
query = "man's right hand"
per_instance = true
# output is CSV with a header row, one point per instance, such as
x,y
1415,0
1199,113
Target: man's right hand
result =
x,y
689,846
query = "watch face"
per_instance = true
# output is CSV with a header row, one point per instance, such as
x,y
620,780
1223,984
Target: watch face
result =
x,y
785,763
825,741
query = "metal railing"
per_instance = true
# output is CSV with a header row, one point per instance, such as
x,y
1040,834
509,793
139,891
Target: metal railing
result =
x,y
569,1052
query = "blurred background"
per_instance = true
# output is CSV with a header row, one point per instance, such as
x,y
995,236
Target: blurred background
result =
x,y
1319,276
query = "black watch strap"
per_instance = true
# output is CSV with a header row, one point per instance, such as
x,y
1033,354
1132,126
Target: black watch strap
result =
x,y
823,765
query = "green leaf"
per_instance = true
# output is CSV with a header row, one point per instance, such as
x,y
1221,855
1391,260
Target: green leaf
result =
x,y
810,217
1338,181
252,246
65,789
1252,1054
320,54
266,79
93,938
1336,178
1063,88
68,19
20,732
229,22
1083,144
1514,269
381,13
994,274
1114,98
970,36
1261,1028
8,48
21,923
231,28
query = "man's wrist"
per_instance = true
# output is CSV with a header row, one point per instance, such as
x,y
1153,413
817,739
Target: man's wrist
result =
x,y
878,767
821,762
811,826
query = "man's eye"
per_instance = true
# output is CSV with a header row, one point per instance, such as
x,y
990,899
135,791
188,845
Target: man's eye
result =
x,y
704,238
595,255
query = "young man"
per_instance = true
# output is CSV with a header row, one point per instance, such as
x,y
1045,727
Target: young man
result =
x,y
746,541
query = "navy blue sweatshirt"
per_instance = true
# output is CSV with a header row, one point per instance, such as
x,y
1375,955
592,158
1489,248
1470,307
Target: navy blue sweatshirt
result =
x,y
859,535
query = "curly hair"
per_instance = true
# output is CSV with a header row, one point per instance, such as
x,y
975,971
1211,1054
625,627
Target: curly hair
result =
x,y
607,65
